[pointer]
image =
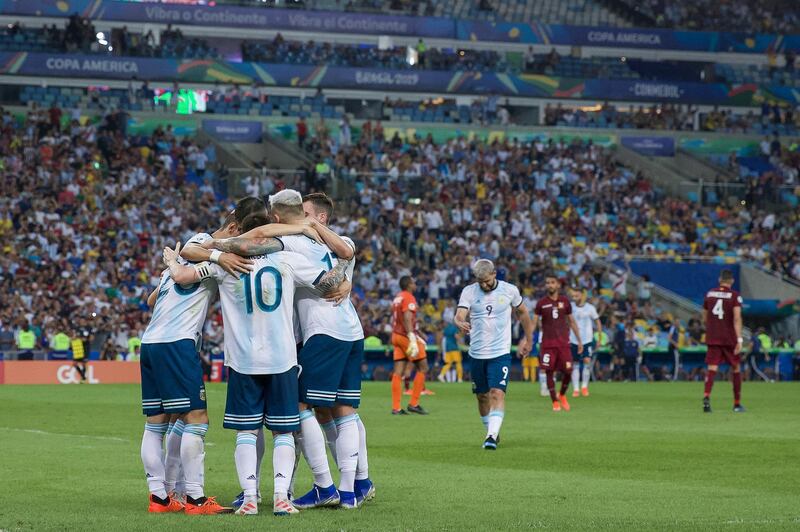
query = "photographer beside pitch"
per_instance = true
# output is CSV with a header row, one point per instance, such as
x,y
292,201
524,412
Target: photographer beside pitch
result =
x,y
484,312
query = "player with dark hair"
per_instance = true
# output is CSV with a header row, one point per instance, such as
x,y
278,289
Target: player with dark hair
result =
x,y
408,347
722,314
555,312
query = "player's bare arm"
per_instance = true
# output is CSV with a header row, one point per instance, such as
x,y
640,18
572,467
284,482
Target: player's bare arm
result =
x,y
278,229
524,317
340,248
245,247
180,273
230,262
334,277
462,319
151,299
737,326
573,326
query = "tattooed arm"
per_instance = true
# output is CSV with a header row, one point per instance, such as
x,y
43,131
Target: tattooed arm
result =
x,y
334,277
245,247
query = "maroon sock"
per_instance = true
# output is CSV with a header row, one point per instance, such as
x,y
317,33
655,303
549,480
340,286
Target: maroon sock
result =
x,y
710,381
551,385
737,388
565,380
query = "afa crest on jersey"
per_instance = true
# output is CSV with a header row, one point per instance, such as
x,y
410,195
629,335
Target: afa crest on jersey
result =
x,y
203,393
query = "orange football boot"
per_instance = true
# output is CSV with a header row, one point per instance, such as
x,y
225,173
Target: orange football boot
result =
x,y
556,406
564,402
158,508
208,507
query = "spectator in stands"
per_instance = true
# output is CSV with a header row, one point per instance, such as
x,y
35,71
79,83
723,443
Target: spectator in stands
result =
x,y
302,132
530,59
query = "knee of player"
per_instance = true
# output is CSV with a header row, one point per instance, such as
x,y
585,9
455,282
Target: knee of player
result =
x,y
324,414
496,394
158,419
197,416
340,410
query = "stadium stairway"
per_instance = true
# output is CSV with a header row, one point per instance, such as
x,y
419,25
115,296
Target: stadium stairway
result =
x,y
662,298
662,176
759,283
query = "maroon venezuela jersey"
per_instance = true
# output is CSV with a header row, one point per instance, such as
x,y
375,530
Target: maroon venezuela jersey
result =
x,y
719,304
555,324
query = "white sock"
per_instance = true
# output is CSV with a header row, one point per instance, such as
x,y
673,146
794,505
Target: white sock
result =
x,y
193,457
313,447
329,429
347,451
153,458
362,467
576,377
485,421
282,462
495,422
543,381
172,460
245,458
298,445
587,373
261,446
180,483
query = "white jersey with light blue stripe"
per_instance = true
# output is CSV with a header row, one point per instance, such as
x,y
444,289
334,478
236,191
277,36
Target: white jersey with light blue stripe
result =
x,y
490,318
585,316
316,315
180,311
257,311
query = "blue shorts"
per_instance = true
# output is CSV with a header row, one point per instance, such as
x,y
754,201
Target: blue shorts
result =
x,y
588,351
490,373
172,378
331,371
257,400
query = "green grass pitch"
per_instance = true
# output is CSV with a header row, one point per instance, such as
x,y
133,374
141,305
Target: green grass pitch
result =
x,y
631,456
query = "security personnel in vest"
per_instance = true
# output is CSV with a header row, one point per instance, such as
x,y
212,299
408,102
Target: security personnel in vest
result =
x,y
760,348
79,355
26,342
60,345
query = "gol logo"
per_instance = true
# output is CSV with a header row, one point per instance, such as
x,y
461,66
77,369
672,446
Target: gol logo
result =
x,y
68,375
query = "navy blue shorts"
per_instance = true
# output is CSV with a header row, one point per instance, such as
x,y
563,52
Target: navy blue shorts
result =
x,y
490,373
331,371
172,378
256,400
588,351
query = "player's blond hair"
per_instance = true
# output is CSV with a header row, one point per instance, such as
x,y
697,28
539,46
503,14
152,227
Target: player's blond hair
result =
x,y
287,203
482,268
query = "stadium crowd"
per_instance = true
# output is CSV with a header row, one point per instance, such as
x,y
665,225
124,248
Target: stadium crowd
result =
x,y
83,208
529,207
751,16
84,203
